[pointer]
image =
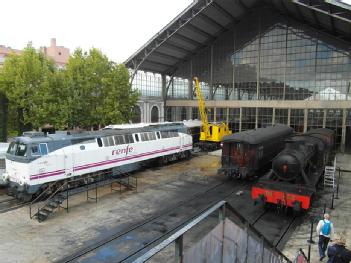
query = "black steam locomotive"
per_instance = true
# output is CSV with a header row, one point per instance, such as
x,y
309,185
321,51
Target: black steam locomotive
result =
x,y
296,171
246,153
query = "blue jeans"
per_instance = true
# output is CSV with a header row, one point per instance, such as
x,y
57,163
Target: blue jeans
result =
x,y
322,245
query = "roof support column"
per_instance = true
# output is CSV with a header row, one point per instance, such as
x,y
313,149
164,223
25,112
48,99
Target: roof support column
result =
x,y
164,94
286,58
232,94
273,116
190,83
324,117
343,131
256,120
259,59
289,116
164,87
214,114
240,118
227,117
189,113
315,71
211,75
305,120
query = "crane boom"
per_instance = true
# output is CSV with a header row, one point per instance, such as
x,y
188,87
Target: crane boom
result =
x,y
201,102
211,133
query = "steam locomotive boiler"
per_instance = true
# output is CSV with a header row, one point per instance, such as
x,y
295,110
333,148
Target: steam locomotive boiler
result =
x,y
246,153
296,171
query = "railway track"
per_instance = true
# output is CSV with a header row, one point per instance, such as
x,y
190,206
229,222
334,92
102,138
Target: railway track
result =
x,y
139,237
279,232
127,245
11,204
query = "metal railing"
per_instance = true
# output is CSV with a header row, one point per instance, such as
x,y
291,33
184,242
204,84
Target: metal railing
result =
x,y
123,178
48,199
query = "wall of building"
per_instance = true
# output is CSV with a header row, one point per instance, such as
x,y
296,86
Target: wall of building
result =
x,y
270,69
59,54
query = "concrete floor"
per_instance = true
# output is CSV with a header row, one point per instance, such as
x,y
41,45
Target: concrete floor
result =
x,y
340,215
26,240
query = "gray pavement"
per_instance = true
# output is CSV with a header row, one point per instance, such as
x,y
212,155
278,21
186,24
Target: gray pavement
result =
x,y
26,240
340,215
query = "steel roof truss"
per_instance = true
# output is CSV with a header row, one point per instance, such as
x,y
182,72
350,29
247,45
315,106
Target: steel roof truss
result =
x,y
181,23
210,21
224,12
322,11
187,39
199,31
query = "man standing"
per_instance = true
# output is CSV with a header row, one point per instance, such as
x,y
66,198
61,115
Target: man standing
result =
x,y
325,230
337,252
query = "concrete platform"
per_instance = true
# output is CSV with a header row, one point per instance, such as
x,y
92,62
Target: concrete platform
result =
x,y
340,215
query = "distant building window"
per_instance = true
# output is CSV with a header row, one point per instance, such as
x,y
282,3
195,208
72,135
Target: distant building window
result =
x,y
59,53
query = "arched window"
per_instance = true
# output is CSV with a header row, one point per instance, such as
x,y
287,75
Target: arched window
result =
x,y
136,114
154,114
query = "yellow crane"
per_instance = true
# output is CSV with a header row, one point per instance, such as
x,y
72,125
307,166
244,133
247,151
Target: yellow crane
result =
x,y
211,134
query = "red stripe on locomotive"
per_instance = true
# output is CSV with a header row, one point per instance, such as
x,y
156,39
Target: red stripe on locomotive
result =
x,y
280,197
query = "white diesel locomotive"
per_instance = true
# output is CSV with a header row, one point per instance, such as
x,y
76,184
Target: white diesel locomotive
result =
x,y
35,160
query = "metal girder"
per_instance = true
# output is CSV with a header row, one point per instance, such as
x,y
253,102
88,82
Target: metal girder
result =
x,y
169,84
178,48
158,64
160,41
242,5
187,39
199,31
224,12
321,11
210,21
332,23
166,56
313,12
298,10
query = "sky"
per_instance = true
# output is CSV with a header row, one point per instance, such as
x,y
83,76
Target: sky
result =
x,y
117,27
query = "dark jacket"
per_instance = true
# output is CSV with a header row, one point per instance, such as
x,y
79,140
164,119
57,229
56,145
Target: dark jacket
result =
x,y
338,254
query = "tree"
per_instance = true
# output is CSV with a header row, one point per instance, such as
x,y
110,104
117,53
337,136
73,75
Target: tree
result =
x,y
25,80
119,98
100,92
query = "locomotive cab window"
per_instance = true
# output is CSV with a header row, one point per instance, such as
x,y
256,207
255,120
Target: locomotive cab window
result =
x,y
136,136
18,149
34,150
43,147
99,142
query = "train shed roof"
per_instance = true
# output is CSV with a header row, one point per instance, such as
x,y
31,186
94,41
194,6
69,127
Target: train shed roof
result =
x,y
203,21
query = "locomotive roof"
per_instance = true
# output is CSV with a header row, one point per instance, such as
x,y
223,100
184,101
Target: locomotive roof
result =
x,y
258,135
75,135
